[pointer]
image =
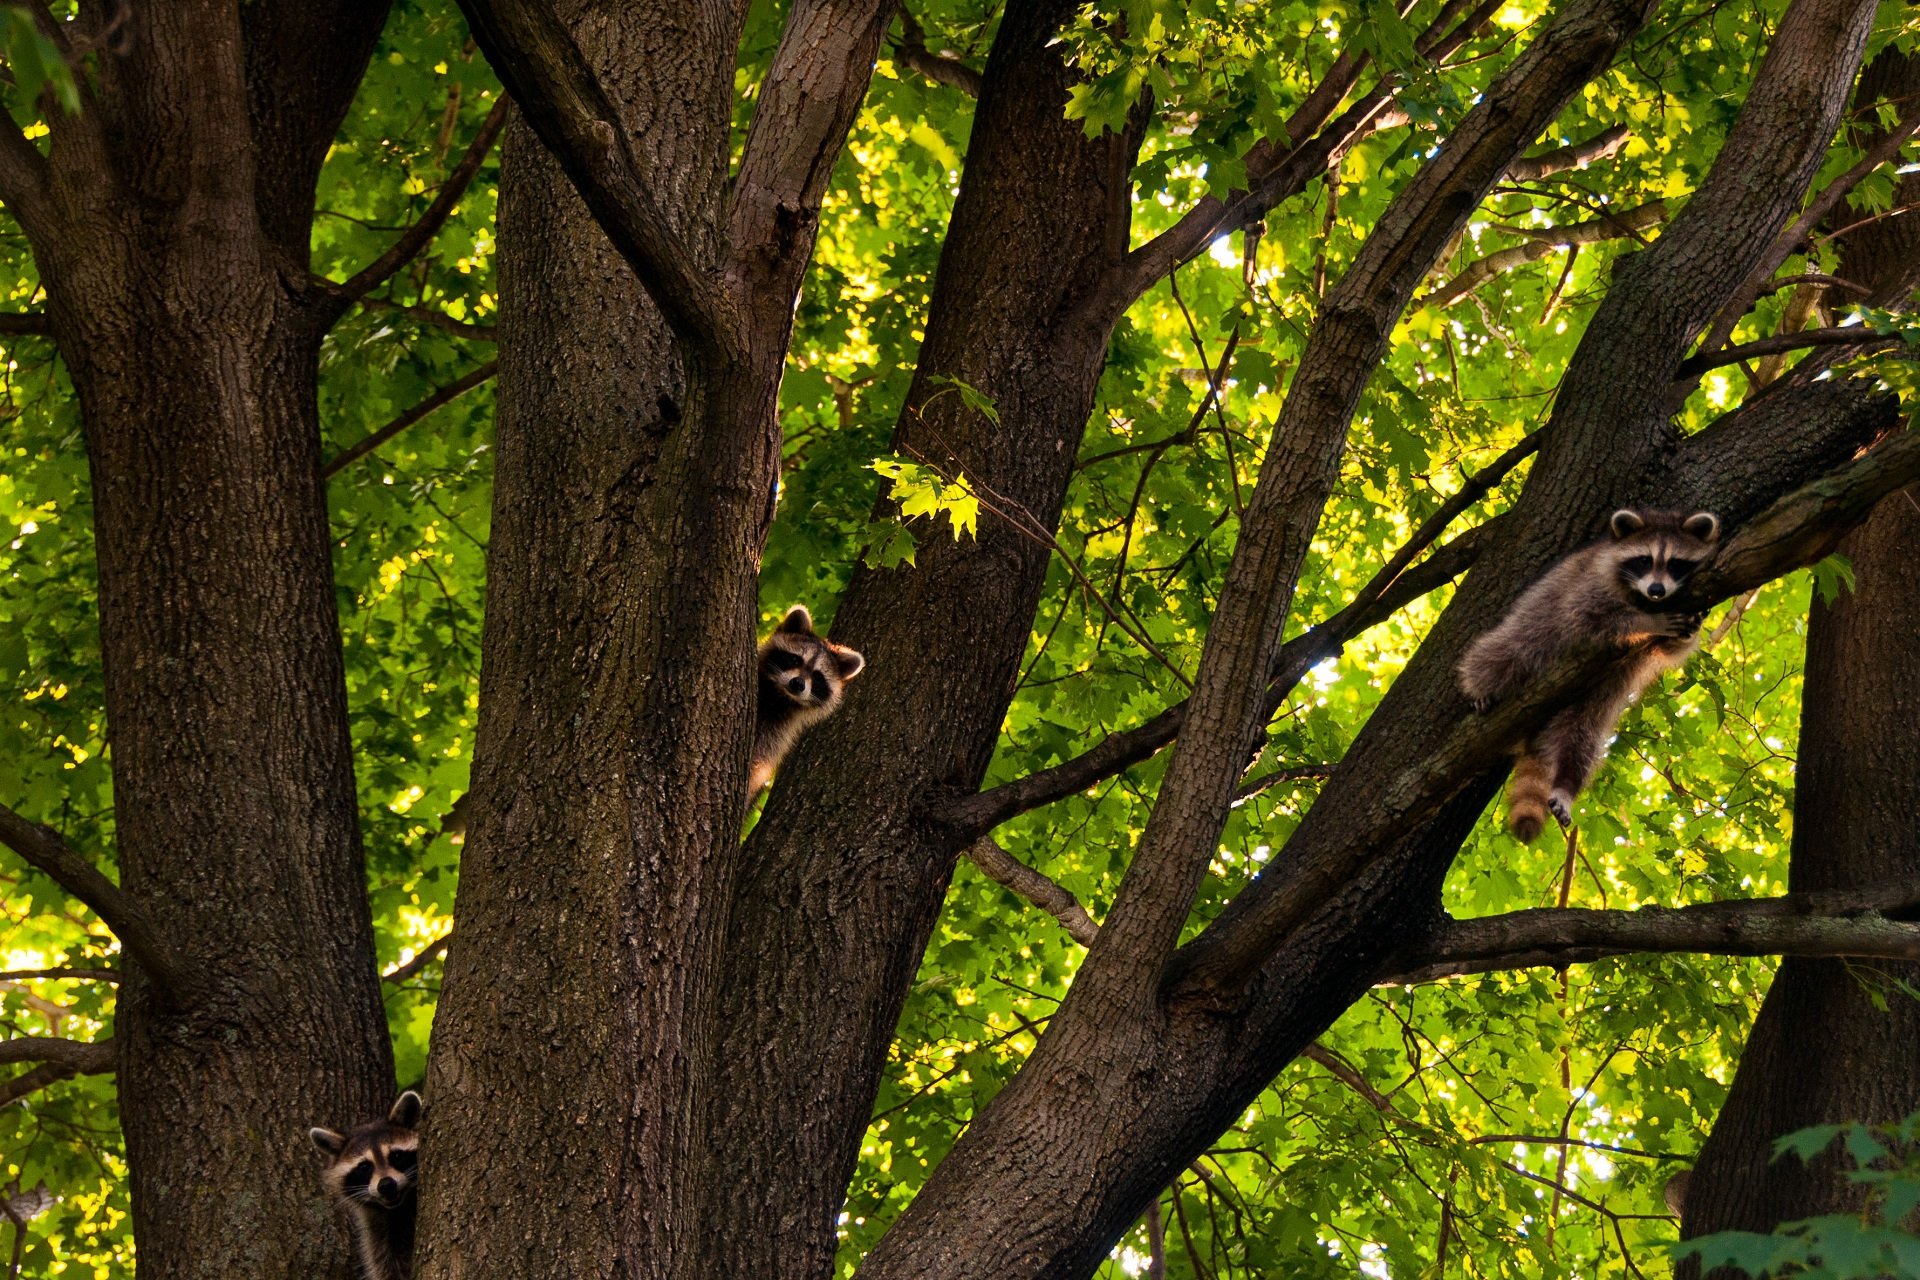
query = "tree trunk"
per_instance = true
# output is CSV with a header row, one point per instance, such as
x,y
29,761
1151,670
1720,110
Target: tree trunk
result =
x,y
170,223
633,485
1856,790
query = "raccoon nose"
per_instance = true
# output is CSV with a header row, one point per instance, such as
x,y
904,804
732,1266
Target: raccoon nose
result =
x,y
389,1188
1655,590
797,685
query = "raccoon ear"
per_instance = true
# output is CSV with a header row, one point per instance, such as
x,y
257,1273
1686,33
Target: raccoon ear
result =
x,y
406,1110
798,620
326,1141
1703,525
1624,522
851,663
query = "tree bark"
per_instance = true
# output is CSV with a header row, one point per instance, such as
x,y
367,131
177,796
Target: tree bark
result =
x,y
1857,786
637,450
169,217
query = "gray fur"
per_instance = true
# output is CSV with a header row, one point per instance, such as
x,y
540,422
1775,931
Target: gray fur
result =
x,y
1604,594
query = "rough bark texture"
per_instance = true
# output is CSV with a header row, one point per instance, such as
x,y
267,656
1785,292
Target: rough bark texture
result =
x,y
1856,789
637,450
168,218
614,730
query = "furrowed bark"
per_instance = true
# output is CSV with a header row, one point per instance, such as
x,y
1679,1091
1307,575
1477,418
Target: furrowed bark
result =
x,y
1110,1106
1855,788
845,873
637,453
235,814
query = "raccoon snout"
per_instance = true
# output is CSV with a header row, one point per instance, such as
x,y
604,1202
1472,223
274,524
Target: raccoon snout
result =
x,y
797,687
1655,590
389,1188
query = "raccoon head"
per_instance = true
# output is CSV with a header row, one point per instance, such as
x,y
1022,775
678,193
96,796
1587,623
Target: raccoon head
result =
x,y
1654,551
807,670
375,1163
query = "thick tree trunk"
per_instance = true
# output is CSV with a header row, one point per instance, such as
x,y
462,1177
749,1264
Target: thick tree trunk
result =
x,y
1856,790
637,451
169,224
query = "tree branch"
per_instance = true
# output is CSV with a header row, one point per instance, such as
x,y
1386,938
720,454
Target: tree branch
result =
x,y
79,1056
910,51
418,236
421,959
444,396
808,101
23,180
25,322
536,58
433,316
1791,533
38,1078
1003,868
1390,589
1602,146
42,848
1830,923
1852,335
1542,242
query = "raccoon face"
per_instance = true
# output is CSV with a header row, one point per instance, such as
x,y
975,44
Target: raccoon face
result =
x,y
807,670
376,1163
1654,551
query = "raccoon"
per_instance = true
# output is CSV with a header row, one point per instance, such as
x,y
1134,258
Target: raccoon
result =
x,y
801,679
1601,593
370,1175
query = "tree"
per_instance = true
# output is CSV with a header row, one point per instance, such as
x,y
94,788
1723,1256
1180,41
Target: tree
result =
x,y
682,1035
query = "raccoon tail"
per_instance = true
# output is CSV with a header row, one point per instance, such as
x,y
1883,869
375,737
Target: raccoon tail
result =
x,y
1527,797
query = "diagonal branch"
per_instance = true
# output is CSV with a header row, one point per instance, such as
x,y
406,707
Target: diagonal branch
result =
x,y
1302,466
1578,155
1835,922
1397,584
38,1078
439,399
536,58
23,181
808,101
1795,531
1852,335
910,50
418,236
42,848
1003,868
1543,241
433,316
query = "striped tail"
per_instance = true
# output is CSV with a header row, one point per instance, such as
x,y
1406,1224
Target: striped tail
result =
x,y
1527,797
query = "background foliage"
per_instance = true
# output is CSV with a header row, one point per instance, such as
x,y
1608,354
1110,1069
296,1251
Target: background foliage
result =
x,y
1530,1119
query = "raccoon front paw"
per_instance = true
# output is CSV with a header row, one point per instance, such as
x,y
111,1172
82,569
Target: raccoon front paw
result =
x,y
1681,626
1480,702
1560,805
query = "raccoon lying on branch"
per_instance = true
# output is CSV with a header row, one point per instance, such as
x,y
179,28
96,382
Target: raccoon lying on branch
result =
x,y
1601,593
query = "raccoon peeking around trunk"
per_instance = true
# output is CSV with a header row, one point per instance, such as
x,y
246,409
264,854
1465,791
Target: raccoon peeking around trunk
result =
x,y
1603,593
802,677
370,1176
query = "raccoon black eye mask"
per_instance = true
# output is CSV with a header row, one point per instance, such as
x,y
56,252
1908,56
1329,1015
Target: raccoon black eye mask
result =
x,y
1603,592
802,677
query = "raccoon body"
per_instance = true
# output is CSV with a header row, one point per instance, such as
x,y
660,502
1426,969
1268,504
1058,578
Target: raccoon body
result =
x,y
801,679
370,1174
1605,594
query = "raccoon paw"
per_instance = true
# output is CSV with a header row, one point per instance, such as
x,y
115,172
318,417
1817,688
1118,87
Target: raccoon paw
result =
x,y
1560,805
1681,626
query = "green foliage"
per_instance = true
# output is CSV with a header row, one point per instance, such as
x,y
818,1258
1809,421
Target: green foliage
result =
x,y
1483,1095
1881,1240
